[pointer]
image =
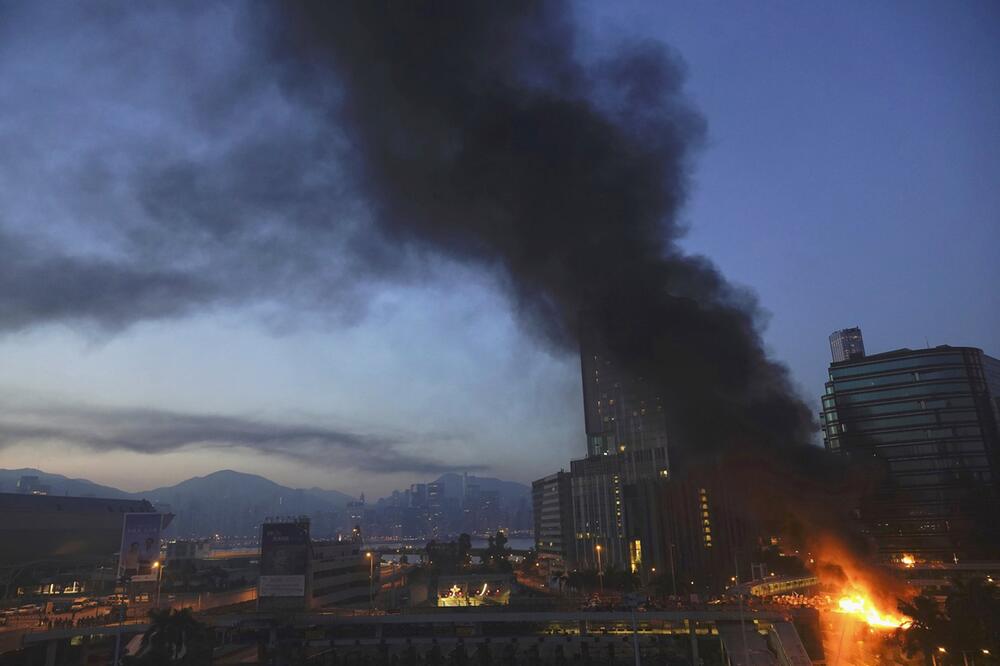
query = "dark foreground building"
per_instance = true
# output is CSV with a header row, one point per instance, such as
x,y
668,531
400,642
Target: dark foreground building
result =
x,y
68,529
930,418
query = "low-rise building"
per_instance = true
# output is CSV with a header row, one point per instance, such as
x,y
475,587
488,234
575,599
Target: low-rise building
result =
x,y
552,501
341,573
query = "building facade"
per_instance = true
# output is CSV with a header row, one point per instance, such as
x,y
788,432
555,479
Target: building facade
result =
x,y
72,529
620,411
552,501
601,516
930,417
341,573
847,345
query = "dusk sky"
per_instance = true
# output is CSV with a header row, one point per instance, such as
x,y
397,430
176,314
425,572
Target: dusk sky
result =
x,y
850,175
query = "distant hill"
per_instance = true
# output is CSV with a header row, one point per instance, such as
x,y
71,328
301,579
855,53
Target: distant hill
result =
x,y
59,484
234,503
224,502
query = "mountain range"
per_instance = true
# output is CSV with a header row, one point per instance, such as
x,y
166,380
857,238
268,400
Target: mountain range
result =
x,y
235,503
224,502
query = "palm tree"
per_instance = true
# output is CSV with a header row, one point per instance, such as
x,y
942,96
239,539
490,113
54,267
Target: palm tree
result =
x,y
174,637
928,629
973,608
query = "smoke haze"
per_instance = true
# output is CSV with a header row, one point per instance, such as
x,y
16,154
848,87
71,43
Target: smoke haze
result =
x,y
304,154
480,135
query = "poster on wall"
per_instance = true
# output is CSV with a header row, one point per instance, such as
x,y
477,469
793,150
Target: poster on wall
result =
x,y
140,546
284,552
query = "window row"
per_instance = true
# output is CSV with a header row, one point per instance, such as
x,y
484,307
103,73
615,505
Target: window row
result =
x,y
898,364
905,378
928,390
914,420
931,449
915,435
942,478
939,464
908,406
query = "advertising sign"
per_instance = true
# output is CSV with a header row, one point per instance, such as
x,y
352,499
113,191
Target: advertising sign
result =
x,y
140,546
284,553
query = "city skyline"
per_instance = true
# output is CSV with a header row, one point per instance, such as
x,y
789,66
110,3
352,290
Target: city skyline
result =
x,y
431,371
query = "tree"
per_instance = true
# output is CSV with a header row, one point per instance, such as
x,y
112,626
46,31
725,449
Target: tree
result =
x,y
174,637
927,630
969,624
497,553
464,549
973,610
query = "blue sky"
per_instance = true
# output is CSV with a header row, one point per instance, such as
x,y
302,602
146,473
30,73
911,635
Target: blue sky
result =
x,y
850,177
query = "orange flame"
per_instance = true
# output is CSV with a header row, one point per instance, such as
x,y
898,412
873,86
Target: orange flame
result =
x,y
862,607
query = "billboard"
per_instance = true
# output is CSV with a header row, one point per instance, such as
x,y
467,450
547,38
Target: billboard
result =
x,y
140,546
284,555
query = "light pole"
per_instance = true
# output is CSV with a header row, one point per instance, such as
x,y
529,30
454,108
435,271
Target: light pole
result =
x,y
371,579
600,568
673,575
159,579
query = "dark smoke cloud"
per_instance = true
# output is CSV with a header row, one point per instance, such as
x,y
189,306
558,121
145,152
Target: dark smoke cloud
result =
x,y
155,431
151,168
42,284
317,150
479,133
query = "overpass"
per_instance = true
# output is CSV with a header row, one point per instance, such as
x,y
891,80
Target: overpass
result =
x,y
749,638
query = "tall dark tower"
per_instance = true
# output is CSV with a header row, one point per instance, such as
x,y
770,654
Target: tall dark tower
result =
x,y
622,412
847,344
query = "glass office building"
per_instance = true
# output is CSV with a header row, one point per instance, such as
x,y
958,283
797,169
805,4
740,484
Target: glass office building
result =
x,y
930,418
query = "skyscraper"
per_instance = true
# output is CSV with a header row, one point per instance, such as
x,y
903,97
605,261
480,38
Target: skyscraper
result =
x,y
626,429
931,418
847,344
619,409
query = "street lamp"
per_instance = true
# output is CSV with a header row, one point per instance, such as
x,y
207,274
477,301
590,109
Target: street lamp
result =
x,y
159,579
600,568
371,579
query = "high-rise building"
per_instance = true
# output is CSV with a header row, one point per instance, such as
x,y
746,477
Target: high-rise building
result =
x,y
626,428
847,344
931,418
552,500
621,411
601,515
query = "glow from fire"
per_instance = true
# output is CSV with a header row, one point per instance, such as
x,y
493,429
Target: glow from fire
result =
x,y
862,607
908,560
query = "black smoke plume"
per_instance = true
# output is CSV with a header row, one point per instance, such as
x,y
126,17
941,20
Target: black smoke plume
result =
x,y
479,133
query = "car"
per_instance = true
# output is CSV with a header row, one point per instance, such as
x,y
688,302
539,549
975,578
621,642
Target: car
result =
x,y
29,608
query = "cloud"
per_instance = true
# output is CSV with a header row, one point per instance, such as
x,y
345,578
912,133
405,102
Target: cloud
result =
x,y
148,431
